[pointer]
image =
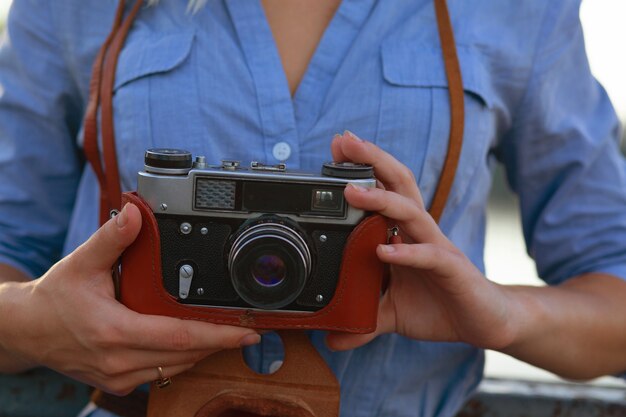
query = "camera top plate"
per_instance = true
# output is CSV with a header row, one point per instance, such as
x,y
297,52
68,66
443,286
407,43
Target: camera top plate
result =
x,y
173,183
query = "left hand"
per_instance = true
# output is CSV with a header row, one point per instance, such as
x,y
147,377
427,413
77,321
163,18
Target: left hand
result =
x,y
435,293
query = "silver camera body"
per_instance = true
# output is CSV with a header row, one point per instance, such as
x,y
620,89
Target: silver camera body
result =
x,y
258,237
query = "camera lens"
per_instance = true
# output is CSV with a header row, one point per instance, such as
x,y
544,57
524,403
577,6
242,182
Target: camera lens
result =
x,y
269,270
269,262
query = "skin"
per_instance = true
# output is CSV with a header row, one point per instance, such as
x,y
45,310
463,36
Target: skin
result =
x,y
69,320
576,330
297,27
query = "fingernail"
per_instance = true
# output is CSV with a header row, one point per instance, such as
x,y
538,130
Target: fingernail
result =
x,y
250,339
122,218
358,188
387,248
353,136
336,136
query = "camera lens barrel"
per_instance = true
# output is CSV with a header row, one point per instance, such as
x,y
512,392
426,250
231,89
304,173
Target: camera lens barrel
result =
x,y
269,263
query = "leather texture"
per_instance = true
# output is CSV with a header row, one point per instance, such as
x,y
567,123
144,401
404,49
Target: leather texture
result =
x,y
92,152
353,308
457,110
222,385
101,100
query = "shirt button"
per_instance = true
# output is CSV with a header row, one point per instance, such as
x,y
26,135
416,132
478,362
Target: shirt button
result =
x,y
275,366
282,151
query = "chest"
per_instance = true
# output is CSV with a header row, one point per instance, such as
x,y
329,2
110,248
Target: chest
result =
x,y
222,83
297,27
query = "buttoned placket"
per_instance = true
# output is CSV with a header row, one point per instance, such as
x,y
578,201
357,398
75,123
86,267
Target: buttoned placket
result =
x,y
272,92
284,120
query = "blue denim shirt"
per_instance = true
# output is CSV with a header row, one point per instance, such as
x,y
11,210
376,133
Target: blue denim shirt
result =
x,y
212,82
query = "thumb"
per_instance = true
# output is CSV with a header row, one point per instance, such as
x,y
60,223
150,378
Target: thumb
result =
x,y
105,246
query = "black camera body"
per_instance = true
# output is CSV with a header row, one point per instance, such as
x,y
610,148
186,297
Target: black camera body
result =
x,y
263,237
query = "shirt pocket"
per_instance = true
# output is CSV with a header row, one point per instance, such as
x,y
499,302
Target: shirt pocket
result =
x,y
154,98
414,122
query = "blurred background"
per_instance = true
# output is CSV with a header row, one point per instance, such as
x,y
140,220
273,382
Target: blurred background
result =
x,y
604,23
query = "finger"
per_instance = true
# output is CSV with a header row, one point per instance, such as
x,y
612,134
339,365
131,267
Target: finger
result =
x,y
394,175
125,384
131,360
172,334
414,220
424,256
335,149
103,249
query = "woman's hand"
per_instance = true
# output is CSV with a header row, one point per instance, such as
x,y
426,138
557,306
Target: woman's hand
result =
x,y
575,329
69,320
435,293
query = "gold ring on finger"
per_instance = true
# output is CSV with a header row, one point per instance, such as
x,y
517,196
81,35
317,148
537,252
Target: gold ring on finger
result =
x,y
162,381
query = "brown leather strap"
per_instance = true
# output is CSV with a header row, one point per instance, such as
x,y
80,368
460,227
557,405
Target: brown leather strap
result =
x,y
101,99
457,110
91,116
111,171
133,405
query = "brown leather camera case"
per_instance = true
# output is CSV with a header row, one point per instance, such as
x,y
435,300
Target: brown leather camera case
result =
x,y
353,308
223,386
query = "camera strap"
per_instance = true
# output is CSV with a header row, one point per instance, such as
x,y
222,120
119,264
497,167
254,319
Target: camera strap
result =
x,y
100,104
457,110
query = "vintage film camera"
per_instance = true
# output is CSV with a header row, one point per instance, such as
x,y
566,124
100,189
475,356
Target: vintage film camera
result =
x,y
261,246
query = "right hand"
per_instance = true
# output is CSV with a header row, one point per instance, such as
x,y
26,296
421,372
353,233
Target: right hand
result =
x,y
70,321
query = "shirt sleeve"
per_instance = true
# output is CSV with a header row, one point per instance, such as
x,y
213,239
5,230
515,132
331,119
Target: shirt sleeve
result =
x,y
562,158
40,165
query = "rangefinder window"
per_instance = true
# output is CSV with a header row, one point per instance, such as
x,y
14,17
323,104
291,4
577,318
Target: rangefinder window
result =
x,y
274,197
327,200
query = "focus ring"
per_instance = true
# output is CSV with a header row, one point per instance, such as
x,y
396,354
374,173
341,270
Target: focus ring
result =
x,y
270,239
